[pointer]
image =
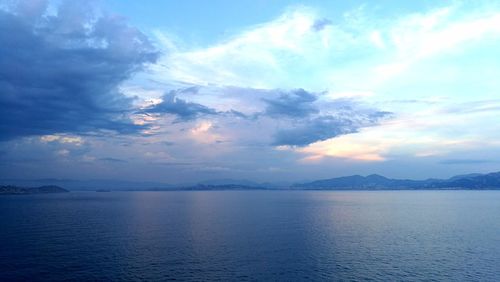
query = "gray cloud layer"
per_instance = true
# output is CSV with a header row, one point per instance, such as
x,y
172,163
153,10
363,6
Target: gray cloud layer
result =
x,y
59,73
294,117
307,122
184,110
296,103
325,127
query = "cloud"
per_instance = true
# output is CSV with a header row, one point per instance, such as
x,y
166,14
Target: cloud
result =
x,y
362,45
61,70
282,117
325,127
312,120
77,140
295,103
184,110
274,54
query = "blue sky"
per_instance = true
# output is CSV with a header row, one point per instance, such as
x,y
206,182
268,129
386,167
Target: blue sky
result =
x,y
262,90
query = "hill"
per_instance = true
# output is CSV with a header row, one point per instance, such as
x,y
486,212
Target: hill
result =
x,y
16,190
378,182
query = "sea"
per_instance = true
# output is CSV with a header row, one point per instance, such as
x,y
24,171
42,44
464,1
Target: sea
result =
x,y
251,236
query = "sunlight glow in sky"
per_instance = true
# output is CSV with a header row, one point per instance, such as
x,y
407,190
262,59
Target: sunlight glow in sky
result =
x,y
282,91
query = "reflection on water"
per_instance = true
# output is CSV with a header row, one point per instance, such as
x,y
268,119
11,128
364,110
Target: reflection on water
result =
x,y
248,235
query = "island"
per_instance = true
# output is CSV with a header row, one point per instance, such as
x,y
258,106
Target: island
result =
x,y
16,190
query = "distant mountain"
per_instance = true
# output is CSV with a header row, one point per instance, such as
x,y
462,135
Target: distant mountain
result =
x,y
476,182
456,177
121,185
202,187
89,185
228,181
244,182
472,181
378,182
373,181
16,190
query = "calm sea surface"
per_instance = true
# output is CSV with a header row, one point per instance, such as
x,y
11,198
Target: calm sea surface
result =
x,y
251,235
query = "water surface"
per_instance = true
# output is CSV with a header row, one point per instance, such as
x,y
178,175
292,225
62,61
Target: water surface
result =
x,y
251,235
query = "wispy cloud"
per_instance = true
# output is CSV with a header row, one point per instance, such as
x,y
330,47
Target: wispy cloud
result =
x,y
278,53
263,56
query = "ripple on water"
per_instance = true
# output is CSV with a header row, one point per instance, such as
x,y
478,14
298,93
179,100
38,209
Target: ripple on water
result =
x,y
251,235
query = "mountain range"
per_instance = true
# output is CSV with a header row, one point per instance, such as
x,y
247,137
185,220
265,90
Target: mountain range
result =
x,y
473,181
15,190
377,182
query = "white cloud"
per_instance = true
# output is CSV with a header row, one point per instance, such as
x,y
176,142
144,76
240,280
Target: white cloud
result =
x,y
418,37
265,56
63,139
289,53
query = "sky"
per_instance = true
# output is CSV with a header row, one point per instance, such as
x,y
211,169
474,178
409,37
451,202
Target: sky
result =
x,y
269,91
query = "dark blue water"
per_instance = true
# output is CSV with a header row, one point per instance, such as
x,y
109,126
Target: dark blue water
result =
x,y
251,235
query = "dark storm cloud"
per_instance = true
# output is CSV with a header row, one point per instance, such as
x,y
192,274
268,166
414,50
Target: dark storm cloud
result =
x,y
184,110
60,73
296,103
325,127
